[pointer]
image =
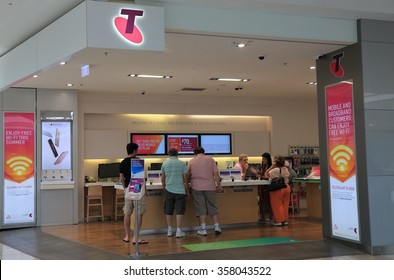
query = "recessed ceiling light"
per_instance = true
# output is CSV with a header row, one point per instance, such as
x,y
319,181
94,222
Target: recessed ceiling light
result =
x,y
239,44
63,63
150,76
230,79
70,85
35,76
311,83
312,67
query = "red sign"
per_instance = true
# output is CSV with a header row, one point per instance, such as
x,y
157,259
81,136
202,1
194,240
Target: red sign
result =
x,y
341,142
127,27
184,144
149,144
18,146
336,66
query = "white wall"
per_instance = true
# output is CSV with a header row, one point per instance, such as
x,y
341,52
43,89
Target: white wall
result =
x,y
294,122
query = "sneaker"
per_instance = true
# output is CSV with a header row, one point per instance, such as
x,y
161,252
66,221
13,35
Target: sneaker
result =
x,y
202,232
169,233
265,222
277,224
218,230
285,224
180,234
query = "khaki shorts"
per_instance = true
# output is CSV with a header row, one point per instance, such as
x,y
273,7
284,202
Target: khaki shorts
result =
x,y
204,202
129,206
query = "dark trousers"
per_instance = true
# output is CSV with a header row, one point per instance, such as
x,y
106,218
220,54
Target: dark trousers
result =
x,y
264,203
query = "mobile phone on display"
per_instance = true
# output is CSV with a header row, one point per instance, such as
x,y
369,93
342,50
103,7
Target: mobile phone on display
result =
x,y
61,158
46,133
53,148
137,188
57,137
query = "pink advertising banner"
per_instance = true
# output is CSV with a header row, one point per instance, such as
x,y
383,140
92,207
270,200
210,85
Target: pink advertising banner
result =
x,y
19,168
342,161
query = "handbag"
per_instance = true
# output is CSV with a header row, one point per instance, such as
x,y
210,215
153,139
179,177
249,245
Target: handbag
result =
x,y
277,183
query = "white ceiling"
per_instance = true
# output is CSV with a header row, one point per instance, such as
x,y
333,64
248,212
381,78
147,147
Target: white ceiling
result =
x,y
191,59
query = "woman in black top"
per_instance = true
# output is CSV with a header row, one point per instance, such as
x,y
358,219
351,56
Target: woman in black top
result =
x,y
264,196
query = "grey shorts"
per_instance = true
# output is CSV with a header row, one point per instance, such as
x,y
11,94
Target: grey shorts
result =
x,y
129,206
174,201
205,202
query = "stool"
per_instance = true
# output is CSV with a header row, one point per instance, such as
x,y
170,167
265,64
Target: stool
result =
x,y
294,204
94,198
118,203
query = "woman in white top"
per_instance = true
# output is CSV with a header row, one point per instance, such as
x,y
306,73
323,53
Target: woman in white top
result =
x,y
280,199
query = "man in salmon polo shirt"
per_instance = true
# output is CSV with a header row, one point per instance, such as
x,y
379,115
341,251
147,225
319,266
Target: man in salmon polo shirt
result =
x,y
204,178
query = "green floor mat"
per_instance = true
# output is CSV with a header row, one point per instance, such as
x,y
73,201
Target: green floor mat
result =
x,y
238,243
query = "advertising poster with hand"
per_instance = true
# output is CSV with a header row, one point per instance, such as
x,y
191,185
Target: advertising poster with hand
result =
x,y
56,150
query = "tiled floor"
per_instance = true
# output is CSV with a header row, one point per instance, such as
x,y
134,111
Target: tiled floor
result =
x,y
8,253
32,243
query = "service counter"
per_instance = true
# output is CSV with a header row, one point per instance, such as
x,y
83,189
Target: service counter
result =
x,y
237,204
313,196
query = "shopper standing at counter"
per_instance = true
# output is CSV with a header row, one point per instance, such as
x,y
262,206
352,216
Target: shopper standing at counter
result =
x,y
280,199
204,177
176,190
264,194
242,164
125,176
293,174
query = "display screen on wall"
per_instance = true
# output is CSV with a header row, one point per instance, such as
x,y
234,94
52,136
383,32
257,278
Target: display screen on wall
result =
x,y
56,150
216,144
342,161
56,145
184,143
149,143
19,168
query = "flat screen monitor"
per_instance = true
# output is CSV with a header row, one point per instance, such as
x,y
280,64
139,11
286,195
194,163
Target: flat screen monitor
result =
x,y
216,144
149,144
56,145
184,143
156,166
108,170
254,171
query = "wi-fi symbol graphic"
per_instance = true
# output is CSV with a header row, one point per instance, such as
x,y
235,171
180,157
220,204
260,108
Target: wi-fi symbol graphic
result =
x,y
20,166
341,155
342,162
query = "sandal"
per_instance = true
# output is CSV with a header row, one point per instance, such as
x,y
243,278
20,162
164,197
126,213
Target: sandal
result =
x,y
142,242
